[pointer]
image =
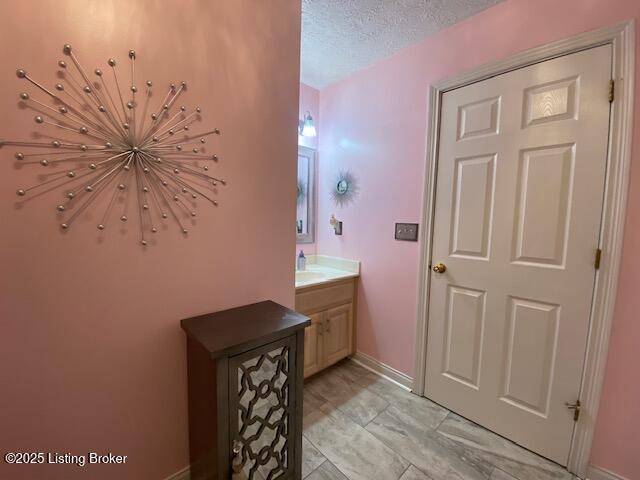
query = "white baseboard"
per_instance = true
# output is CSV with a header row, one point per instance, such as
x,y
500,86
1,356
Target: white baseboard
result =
x,y
183,474
597,473
383,370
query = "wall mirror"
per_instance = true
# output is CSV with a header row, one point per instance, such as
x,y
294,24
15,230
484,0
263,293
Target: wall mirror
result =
x,y
306,199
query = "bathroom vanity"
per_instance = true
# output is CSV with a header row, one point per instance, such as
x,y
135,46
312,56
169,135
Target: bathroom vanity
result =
x,y
245,392
326,292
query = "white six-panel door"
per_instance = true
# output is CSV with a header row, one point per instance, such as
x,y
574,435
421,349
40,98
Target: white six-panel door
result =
x,y
519,192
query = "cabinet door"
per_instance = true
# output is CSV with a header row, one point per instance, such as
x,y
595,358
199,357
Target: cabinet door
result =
x,y
262,409
313,345
338,334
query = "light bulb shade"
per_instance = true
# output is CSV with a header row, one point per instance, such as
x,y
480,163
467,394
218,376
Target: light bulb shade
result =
x,y
308,129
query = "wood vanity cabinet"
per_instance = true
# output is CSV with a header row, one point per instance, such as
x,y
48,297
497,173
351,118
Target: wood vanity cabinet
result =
x,y
245,392
331,335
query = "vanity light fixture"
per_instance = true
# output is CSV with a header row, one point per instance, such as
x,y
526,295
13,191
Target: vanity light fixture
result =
x,y
307,129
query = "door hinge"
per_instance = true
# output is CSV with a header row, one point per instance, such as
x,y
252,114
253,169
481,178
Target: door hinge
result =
x,y
576,409
596,263
612,90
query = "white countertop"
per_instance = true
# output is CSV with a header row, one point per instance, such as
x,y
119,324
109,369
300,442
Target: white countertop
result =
x,y
325,269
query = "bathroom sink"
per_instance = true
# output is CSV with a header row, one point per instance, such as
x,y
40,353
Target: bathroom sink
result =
x,y
324,269
307,276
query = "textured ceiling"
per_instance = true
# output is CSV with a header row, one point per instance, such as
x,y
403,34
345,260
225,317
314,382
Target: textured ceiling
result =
x,y
340,37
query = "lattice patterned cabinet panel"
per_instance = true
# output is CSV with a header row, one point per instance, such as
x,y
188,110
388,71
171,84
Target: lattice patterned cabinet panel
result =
x,y
262,403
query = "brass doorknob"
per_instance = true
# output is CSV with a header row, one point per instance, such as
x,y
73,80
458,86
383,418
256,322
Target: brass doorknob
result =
x,y
439,268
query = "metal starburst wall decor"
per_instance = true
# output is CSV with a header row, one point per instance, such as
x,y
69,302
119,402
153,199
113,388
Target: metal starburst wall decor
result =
x,y
345,188
148,155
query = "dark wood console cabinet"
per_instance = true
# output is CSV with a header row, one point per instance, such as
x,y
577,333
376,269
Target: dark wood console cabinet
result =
x,y
245,369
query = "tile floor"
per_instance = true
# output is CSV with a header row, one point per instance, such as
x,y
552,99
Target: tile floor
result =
x,y
358,426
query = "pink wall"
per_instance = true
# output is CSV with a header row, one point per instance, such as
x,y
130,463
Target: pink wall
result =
x,y
374,123
92,357
309,101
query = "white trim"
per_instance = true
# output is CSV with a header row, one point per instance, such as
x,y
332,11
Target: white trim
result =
x,y
597,473
621,37
183,474
383,370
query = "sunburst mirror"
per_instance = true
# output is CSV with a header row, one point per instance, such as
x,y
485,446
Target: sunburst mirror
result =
x,y
344,188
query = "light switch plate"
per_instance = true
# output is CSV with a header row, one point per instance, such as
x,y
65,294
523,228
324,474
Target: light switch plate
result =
x,y
407,231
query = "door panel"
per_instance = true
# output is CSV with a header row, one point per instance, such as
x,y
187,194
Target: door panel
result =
x,y
557,100
479,118
312,345
520,182
473,204
465,325
531,347
545,184
262,408
338,336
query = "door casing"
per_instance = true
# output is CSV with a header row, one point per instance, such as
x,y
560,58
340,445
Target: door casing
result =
x,y
622,39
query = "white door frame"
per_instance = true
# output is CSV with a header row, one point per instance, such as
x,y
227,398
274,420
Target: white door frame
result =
x,y
622,39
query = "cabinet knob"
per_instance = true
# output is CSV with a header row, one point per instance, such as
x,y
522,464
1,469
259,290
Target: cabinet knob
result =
x,y
236,463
